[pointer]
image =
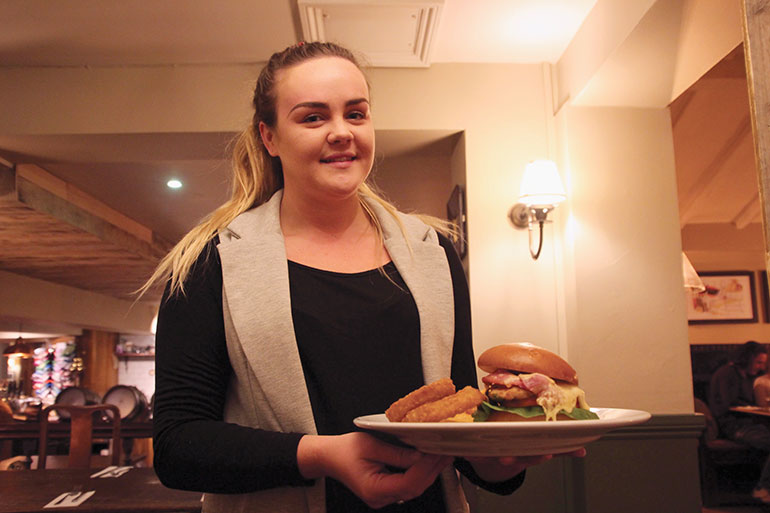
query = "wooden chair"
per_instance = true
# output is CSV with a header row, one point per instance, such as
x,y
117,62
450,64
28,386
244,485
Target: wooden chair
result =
x,y
718,457
81,419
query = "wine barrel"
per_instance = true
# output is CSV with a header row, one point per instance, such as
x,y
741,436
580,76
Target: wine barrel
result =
x,y
131,402
75,396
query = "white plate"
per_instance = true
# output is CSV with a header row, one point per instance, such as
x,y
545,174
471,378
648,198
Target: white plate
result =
x,y
504,438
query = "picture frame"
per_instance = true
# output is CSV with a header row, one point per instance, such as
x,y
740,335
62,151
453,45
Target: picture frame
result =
x,y
456,213
729,298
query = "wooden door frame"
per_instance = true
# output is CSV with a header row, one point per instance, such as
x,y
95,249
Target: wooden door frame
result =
x,y
756,42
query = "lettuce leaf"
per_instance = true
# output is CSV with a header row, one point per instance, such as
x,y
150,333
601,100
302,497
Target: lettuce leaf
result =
x,y
486,408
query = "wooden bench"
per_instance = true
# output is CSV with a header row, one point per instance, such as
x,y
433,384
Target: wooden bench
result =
x,y
705,359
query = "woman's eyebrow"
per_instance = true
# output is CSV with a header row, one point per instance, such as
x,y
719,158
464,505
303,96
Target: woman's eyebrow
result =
x,y
322,105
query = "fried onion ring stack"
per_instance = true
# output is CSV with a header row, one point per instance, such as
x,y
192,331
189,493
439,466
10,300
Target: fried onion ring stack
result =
x,y
436,402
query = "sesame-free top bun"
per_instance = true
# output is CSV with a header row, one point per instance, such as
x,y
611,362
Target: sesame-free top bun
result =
x,y
523,357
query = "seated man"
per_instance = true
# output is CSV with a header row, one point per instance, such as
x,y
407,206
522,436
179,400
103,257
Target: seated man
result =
x,y
733,385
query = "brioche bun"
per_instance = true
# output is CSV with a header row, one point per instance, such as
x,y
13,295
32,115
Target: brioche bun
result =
x,y
522,357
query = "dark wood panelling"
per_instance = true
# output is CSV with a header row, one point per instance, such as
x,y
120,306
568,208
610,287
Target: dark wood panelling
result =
x,y
100,371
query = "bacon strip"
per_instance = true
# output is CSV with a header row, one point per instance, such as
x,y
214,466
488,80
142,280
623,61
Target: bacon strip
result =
x,y
502,378
536,383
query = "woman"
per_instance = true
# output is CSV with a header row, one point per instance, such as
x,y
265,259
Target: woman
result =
x,y
303,302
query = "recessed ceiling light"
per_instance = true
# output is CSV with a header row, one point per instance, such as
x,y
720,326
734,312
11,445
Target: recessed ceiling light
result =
x,y
174,184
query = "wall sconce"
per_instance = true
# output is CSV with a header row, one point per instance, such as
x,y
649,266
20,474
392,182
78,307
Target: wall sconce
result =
x,y
541,191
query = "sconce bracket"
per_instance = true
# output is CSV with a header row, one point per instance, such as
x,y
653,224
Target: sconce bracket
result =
x,y
519,215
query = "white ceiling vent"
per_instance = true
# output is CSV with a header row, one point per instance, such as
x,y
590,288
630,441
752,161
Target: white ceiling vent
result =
x,y
390,33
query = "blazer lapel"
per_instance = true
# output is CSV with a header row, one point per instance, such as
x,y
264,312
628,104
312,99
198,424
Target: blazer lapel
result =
x,y
256,284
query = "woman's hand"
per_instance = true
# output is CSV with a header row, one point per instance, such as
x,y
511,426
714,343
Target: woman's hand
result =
x,y
494,470
361,463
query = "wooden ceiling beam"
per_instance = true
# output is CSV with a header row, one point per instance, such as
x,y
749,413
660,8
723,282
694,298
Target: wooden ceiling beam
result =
x,y
68,192
750,212
84,244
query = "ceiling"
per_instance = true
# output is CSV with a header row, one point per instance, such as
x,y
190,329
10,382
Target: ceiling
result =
x,y
714,148
137,32
128,171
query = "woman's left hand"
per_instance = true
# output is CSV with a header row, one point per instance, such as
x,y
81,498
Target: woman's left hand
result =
x,y
494,469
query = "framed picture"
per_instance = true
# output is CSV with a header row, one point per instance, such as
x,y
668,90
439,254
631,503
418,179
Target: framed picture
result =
x,y
728,298
456,213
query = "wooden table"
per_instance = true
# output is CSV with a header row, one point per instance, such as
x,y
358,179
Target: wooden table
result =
x,y
18,430
752,410
136,491
28,430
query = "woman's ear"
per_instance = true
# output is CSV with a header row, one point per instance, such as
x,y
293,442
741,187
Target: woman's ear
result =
x,y
268,139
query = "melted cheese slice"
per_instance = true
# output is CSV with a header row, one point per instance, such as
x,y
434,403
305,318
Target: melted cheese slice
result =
x,y
557,397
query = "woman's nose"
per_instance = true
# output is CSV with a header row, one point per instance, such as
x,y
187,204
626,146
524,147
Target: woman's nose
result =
x,y
339,132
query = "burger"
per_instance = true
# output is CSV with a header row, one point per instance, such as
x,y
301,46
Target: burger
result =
x,y
527,382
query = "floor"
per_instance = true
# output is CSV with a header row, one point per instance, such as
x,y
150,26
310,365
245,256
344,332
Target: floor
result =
x,y
736,499
735,485
737,509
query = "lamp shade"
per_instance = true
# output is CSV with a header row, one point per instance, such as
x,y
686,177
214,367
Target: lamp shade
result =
x,y
19,347
541,185
691,279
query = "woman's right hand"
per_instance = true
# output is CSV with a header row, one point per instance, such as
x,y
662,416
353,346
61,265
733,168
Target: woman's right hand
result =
x,y
361,462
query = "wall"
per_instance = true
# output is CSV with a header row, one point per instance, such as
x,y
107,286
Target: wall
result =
x,y
722,247
417,179
626,324
586,296
42,302
501,110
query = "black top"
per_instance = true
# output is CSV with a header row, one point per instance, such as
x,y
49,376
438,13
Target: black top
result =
x,y
358,340
730,386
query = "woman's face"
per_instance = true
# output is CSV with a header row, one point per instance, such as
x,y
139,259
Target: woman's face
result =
x,y
758,364
323,132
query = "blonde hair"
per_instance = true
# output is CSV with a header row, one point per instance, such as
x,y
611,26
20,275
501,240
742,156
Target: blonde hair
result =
x,y
256,176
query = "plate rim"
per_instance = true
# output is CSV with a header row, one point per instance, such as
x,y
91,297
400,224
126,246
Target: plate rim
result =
x,y
634,417
549,437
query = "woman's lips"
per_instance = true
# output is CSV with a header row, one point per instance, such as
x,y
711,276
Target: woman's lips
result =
x,y
341,158
340,161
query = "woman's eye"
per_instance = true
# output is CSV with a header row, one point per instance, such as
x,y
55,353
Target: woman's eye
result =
x,y
312,118
356,115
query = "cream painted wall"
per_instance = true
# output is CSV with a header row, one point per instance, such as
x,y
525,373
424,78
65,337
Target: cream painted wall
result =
x,y
588,296
604,30
626,323
502,110
709,28
645,53
417,179
45,302
112,100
